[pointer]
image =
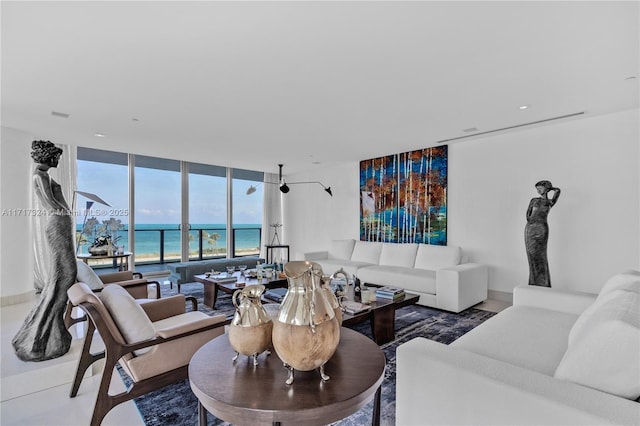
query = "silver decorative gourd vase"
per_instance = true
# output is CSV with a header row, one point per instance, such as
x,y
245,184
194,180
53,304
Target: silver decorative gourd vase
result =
x,y
306,331
326,285
251,328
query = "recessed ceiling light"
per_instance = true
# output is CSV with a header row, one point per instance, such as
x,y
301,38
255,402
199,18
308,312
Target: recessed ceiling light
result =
x,y
524,106
315,162
59,114
98,135
470,129
631,78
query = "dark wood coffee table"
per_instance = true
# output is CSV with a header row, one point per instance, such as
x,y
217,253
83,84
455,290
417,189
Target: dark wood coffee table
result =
x,y
211,286
382,316
239,393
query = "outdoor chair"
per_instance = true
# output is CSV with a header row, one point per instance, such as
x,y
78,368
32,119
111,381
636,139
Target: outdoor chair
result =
x,y
153,342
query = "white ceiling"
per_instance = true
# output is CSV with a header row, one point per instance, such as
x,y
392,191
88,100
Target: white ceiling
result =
x,y
254,84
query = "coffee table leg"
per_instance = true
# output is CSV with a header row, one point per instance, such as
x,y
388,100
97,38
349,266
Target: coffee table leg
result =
x,y
375,421
210,294
202,415
383,324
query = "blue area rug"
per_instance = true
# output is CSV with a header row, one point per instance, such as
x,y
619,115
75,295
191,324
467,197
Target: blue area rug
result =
x,y
176,404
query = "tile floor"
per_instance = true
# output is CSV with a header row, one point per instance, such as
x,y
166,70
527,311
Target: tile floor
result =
x,y
37,393
33,395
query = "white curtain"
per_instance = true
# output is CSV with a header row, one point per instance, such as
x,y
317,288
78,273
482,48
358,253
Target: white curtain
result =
x,y
65,175
271,212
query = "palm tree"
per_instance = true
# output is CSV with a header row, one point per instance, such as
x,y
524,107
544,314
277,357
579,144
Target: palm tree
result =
x,y
213,240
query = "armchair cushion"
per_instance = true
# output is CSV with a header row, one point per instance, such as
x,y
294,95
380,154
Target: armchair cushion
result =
x,y
88,276
159,309
137,288
185,323
130,318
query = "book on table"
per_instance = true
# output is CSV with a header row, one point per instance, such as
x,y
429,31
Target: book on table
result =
x,y
224,278
276,294
353,308
388,292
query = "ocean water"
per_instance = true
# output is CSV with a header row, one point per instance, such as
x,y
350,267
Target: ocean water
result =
x,y
147,238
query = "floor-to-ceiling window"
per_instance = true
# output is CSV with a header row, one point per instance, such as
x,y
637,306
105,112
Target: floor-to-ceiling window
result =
x,y
103,174
157,192
247,211
207,211
178,210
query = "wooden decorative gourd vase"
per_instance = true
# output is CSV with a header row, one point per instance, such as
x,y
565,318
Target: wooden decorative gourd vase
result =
x,y
251,328
306,331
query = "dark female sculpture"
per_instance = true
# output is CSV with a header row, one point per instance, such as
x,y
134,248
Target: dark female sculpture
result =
x,y
536,233
43,334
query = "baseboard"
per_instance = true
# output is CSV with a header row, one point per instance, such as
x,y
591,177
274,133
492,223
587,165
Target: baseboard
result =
x,y
502,296
16,299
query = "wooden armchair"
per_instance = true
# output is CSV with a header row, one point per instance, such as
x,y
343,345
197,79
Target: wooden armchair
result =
x,y
133,282
153,342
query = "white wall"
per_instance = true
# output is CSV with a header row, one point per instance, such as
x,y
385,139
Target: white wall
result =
x,y
594,228
312,218
16,251
594,225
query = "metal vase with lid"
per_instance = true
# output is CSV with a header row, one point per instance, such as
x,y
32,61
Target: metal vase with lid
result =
x,y
251,328
306,331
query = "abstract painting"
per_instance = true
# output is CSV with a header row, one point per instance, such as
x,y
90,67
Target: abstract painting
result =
x,y
422,196
379,199
403,197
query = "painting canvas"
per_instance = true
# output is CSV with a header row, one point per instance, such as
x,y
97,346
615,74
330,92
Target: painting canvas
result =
x,y
422,196
403,197
379,199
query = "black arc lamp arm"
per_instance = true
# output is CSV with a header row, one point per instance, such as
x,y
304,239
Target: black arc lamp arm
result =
x,y
284,187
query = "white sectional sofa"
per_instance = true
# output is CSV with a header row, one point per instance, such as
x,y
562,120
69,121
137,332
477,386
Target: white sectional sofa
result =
x,y
435,273
553,358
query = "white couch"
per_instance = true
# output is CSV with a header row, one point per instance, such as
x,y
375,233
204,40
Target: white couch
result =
x,y
435,273
553,358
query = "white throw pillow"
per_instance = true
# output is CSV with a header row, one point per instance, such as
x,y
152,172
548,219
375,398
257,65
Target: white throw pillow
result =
x,y
341,249
628,280
366,251
437,257
610,305
88,276
604,346
134,325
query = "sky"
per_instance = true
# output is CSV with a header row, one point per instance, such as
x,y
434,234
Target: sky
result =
x,y
158,196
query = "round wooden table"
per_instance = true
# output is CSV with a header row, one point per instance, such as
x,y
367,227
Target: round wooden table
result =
x,y
239,393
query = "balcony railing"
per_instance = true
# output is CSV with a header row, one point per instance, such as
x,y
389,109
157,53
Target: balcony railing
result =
x,y
163,245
